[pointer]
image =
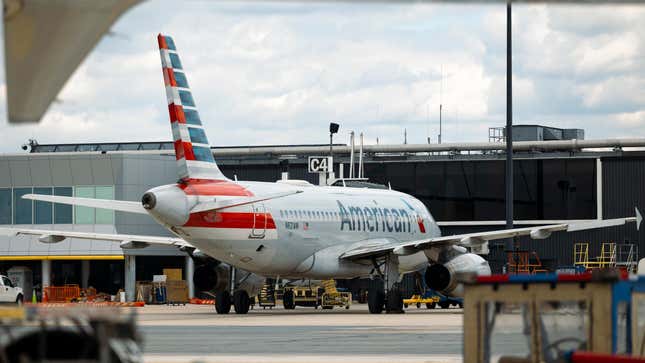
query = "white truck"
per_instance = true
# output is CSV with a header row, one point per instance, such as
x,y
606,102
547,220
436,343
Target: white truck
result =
x,y
9,293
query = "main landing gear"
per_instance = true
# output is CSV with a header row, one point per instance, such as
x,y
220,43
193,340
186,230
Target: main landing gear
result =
x,y
240,299
388,295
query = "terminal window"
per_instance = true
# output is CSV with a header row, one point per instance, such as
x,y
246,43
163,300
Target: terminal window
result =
x,y
87,215
5,206
63,212
22,208
43,211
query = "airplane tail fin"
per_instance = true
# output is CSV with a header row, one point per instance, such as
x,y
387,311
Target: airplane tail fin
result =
x,y
192,149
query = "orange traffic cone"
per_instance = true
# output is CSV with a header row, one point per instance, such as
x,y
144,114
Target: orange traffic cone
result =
x,y
44,299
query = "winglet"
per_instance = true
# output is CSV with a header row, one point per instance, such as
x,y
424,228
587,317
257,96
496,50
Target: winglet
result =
x,y
639,218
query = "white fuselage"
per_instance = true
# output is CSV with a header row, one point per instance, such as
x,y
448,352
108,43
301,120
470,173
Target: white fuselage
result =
x,y
303,235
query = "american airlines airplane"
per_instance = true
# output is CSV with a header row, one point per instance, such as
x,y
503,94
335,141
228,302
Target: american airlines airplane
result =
x,y
291,229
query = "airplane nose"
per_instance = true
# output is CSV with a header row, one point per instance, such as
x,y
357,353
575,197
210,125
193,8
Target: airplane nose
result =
x,y
167,204
148,201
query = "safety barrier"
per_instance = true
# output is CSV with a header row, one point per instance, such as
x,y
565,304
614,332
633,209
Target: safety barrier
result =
x,y
201,301
136,304
67,293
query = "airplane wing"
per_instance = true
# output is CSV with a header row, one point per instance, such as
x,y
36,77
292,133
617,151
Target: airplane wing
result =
x,y
477,240
136,207
128,241
45,41
120,205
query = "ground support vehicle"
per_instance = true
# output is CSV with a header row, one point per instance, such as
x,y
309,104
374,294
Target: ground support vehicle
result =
x,y
301,296
267,298
332,297
9,293
554,317
427,299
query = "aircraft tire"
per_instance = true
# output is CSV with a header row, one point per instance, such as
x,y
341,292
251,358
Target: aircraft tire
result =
x,y
375,300
394,303
241,301
431,305
223,302
288,301
444,305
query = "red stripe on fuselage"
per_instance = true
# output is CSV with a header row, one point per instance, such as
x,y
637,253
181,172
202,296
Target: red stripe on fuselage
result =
x,y
244,220
214,187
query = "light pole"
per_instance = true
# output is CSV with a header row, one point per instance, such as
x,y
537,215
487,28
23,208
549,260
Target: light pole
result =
x,y
333,129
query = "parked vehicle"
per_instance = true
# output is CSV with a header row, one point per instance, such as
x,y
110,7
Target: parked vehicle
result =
x,y
9,293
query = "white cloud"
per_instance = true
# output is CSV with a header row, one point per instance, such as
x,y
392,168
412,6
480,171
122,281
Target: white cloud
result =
x,y
265,73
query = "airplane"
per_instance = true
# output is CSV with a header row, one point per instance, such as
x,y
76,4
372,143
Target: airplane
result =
x,y
247,231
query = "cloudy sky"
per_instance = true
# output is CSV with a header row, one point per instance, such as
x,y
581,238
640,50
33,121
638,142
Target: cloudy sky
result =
x,y
265,73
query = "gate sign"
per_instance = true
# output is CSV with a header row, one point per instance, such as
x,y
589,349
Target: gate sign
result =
x,y
320,164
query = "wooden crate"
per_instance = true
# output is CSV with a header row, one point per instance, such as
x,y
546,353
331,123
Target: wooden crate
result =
x,y
177,292
172,273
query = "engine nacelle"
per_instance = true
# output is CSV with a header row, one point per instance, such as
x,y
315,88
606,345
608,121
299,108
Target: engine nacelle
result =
x,y
215,276
442,277
211,277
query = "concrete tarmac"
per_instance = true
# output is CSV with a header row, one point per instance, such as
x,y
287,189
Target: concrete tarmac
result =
x,y
197,333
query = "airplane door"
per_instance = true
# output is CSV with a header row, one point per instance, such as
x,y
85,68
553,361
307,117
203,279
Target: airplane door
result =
x,y
259,221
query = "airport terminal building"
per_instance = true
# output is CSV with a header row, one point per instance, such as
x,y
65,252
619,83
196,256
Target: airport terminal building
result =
x,y
462,187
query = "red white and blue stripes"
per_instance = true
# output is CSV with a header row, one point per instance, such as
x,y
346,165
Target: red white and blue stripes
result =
x,y
192,149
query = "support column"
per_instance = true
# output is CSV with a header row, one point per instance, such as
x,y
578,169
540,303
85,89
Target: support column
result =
x,y
598,188
85,273
130,277
190,271
46,266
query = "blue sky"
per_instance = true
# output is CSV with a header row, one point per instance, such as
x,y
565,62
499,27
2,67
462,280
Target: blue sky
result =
x,y
278,73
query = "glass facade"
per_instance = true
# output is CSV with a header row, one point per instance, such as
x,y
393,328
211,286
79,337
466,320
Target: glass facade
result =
x,y
83,215
43,211
63,212
5,206
104,216
22,208
16,210
474,190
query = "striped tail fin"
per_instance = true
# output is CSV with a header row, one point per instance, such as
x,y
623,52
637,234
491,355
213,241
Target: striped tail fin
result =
x,y
192,149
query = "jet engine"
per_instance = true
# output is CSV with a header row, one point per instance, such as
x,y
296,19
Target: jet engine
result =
x,y
211,276
442,276
215,276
